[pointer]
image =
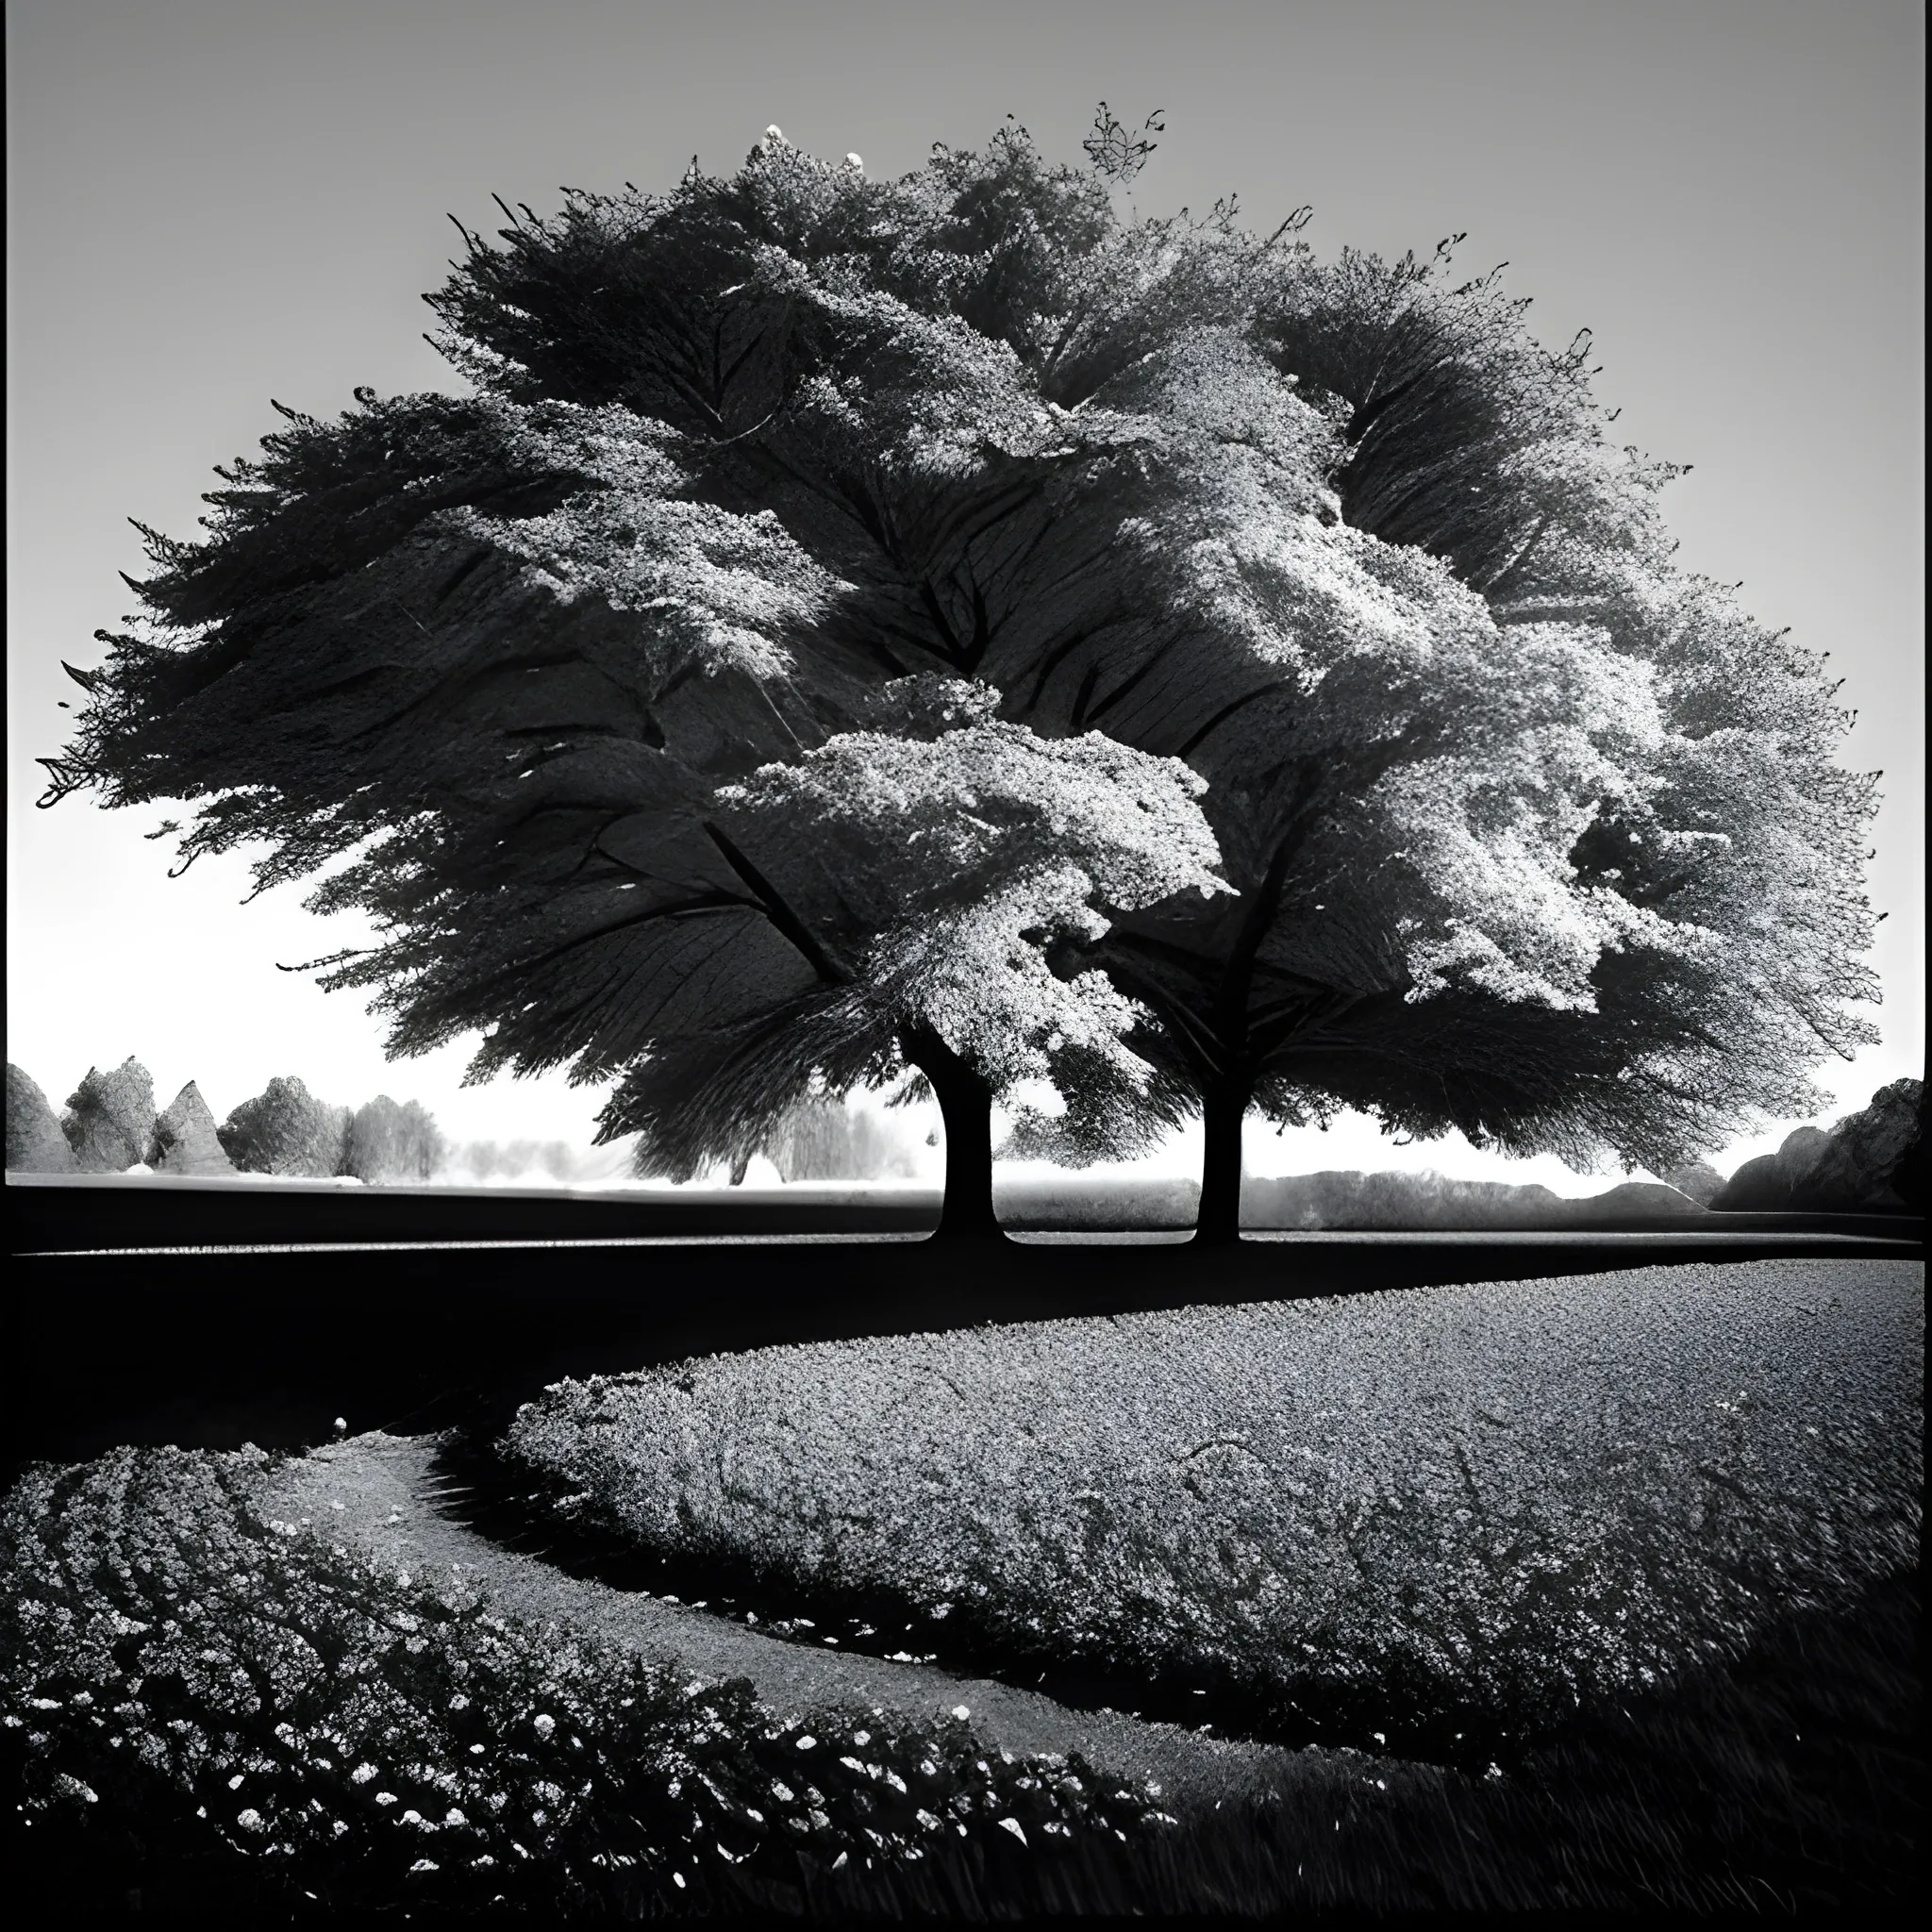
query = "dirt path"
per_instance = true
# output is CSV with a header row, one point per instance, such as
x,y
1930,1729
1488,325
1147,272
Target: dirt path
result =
x,y
376,1491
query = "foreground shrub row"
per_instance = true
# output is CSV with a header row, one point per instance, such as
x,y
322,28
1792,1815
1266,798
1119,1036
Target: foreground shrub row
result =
x,y
1481,1504
174,1659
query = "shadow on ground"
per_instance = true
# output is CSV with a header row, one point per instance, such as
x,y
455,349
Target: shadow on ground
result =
x,y
211,1349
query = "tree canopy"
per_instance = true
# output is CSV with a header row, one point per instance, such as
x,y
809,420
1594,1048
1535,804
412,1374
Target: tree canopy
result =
x,y
1527,832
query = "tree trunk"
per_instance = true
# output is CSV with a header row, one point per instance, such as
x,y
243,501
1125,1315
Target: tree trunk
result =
x,y
1223,1108
1225,1089
966,1108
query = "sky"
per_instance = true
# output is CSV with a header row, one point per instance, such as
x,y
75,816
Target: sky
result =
x,y
216,202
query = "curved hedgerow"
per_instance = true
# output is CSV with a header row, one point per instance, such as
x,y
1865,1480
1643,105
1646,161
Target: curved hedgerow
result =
x,y
175,1660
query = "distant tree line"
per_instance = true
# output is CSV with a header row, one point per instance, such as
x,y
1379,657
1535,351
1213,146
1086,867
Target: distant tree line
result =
x,y
287,1130
111,1124
1873,1161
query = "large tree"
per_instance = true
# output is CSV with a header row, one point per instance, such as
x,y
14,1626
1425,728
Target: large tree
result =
x,y
1485,772
492,659
494,666
1533,835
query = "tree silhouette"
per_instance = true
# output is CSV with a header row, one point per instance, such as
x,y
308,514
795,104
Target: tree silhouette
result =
x,y
286,1130
1533,835
1528,833
390,1142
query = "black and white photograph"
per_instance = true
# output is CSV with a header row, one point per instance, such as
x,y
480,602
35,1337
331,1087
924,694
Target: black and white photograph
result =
x,y
964,964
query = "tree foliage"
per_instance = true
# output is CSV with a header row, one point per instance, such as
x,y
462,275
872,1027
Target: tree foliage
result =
x,y
392,1141
615,691
286,1130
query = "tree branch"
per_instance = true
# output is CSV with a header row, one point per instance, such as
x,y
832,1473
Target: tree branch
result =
x,y
781,915
1225,712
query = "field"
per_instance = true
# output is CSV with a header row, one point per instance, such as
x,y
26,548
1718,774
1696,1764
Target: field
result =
x,y
1490,1504
214,1650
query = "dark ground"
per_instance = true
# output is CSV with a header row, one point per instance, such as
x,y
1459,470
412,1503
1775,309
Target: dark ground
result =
x,y
1788,1782
214,1347
46,1214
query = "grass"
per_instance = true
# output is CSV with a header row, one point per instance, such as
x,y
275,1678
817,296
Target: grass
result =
x,y
181,1670
1786,1779
1459,1511
192,1687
